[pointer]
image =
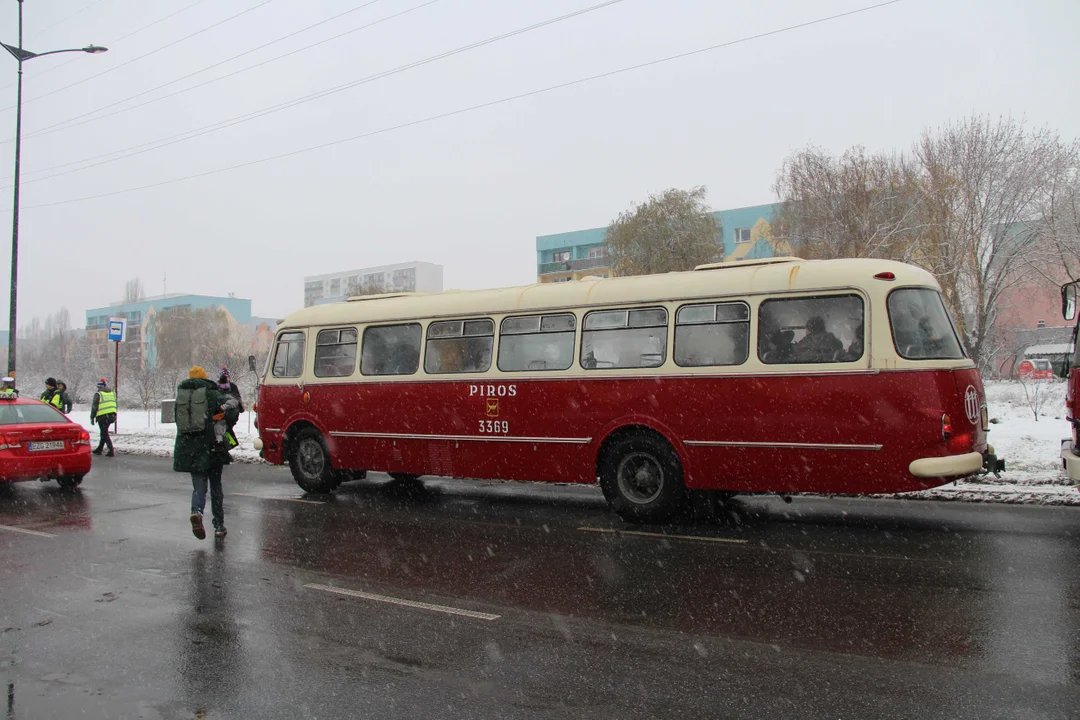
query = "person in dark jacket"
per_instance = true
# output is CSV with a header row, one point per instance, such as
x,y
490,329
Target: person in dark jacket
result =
x,y
65,399
51,396
199,454
819,345
103,412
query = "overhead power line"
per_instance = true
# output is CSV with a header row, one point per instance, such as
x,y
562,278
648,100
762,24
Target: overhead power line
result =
x,y
69,123
223,124
144,55
65,19
114,41
471,108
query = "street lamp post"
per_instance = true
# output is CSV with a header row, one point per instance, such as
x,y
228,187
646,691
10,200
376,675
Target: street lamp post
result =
x,y
21,56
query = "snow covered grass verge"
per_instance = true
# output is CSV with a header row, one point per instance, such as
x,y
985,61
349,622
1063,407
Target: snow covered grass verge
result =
x,y
140,433
1030,446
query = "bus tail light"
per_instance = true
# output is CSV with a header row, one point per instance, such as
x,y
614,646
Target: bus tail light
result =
x,y
946,427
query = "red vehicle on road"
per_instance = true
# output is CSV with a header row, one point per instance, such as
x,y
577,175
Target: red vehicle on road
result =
x,y
1070,446
38,442
763,376
1036,369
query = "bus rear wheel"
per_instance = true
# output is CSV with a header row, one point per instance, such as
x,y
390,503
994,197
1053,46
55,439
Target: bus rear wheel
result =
x,y
642,478
309,461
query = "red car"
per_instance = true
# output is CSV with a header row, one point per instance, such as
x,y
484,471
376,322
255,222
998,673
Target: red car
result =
x,y
37,441
1037,369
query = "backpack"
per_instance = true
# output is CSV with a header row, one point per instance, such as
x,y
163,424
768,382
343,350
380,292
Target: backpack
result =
x,y
191,410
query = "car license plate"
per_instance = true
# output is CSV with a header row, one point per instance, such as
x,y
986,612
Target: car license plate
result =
x,y
47,445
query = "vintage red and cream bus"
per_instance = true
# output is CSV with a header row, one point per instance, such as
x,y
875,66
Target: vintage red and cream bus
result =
x,y
1070,446
772,376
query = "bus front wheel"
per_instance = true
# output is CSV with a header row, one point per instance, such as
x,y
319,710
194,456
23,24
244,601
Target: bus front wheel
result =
x,y
310,463
642,478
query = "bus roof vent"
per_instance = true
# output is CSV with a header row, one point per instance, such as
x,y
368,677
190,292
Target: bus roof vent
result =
x,y
748,263
380,296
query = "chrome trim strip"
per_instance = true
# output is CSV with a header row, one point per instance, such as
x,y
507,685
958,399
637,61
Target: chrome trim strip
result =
x,y
271,429
477,438
804,446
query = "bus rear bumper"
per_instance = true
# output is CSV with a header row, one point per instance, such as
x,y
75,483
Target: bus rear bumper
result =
x,y
1070,461
950,466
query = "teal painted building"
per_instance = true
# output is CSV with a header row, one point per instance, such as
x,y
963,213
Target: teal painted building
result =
x,y
745,233
139,328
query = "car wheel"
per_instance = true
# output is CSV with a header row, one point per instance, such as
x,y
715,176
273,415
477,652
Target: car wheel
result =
x,y
69,481
642,478
309,460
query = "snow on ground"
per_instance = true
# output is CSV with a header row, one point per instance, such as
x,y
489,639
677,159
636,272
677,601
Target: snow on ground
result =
x,y
1030,446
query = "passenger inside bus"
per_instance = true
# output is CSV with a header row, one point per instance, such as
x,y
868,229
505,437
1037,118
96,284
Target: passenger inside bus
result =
x,y
855,350
819,345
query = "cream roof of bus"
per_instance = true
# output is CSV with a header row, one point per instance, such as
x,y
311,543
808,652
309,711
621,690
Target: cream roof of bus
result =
x,y
710,281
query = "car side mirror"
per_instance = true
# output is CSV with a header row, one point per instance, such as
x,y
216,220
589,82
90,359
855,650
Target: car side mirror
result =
x,y
1068,301
251,363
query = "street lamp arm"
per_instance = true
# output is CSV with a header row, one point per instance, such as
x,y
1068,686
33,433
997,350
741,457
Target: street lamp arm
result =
x,y
22,54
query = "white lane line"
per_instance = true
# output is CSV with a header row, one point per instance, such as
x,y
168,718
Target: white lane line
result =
x,y
405,603
9,528
695,538
263,497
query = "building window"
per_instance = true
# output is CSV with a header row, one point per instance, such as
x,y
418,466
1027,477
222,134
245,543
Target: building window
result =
x,y
596,253
312,292
335,287
742,235
561,256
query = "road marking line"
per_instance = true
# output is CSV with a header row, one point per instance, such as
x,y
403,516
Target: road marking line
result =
x,y
9,528
405,603
698,538
263,497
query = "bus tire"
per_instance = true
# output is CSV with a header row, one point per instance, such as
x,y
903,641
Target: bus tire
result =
x,y
642,478
69,481
309,461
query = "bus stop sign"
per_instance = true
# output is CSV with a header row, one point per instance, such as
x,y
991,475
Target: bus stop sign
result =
x,y
117,329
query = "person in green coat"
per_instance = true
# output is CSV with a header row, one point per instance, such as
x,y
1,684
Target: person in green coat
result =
x,y
201,455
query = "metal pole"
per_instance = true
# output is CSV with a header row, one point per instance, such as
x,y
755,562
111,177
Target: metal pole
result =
x,y
13,309
116,387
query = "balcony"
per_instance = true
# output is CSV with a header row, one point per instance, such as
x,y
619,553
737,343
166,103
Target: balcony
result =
x,y
574,265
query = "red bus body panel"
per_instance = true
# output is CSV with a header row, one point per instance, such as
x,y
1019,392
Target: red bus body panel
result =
x,y
840,432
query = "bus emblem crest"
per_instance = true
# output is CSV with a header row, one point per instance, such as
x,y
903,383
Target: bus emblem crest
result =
x,y
493,407
971,404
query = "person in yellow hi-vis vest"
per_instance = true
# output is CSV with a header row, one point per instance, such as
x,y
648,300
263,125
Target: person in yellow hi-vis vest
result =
x,y
103,412
52,395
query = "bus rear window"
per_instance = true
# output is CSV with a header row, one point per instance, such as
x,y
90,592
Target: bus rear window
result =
x,y
921,328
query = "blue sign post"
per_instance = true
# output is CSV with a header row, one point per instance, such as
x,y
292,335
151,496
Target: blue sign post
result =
x,y
117,333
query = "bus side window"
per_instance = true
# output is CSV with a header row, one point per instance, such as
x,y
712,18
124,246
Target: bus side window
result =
x,y
536,342
289,355
459,346
391,350
624,339
335,353
710,335
811,330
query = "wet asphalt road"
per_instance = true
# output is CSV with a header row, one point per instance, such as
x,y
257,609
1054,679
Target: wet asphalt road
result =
x,y
517,601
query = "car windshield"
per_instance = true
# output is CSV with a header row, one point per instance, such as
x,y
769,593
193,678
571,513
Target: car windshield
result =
x,y
12,414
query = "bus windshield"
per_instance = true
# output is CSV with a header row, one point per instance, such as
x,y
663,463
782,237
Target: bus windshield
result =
x,y
921,327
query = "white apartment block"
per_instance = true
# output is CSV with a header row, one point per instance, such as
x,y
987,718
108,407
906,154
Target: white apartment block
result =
x,y
419,277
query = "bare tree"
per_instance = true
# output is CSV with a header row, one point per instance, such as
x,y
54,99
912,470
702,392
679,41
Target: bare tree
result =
x,y
982,181
854,205
673,230
134,291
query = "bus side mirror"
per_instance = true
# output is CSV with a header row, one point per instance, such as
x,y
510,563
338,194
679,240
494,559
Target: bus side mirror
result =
x,y
251,363
1068,301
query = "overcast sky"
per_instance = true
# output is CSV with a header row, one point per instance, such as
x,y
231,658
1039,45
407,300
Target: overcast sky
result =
x,y
472,191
